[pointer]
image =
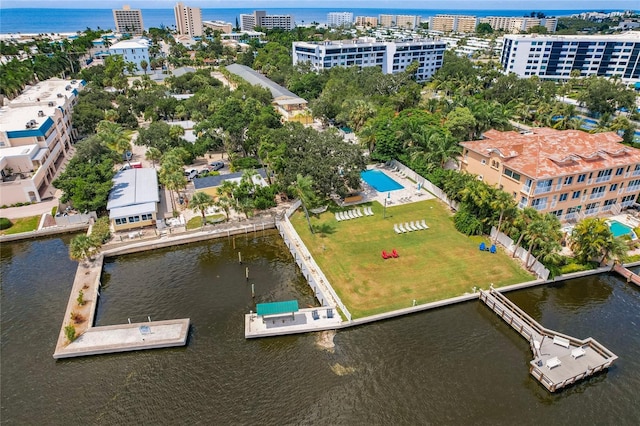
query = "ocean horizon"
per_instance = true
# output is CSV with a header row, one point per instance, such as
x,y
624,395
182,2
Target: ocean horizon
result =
x,y
40,20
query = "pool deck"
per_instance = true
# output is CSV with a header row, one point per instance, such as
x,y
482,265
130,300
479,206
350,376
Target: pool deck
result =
x,y
409,194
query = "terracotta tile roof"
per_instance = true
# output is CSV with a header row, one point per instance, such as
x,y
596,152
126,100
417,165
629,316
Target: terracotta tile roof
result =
x,y
546,153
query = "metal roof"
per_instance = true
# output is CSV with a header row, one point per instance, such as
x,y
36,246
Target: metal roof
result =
x,y
132,187
277,308
257,79
137,209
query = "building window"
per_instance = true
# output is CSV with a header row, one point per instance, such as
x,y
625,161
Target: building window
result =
x,y
121,221
619,171
581,178
568,180
576,194
510,173
563,197
613,187
133,219
147,217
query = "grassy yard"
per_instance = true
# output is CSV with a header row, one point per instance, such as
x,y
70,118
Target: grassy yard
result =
x,y
196,221
434,264
24,224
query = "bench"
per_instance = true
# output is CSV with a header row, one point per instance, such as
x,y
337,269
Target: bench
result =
x,y
577,352
553,362
561,341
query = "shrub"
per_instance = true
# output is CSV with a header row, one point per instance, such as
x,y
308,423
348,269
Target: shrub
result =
x,y
577,267
101,230
54,210
80,298
70,332
246,163
5,223
466,223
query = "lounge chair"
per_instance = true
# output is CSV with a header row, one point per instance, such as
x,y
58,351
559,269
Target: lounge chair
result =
x,y
338,217
577,352
424,224
492,249
370,211
386,255
395,228
420,227
350,214
359,213
345,216
413,227
367,211
314,315
407,227
482,246
394,253
402,228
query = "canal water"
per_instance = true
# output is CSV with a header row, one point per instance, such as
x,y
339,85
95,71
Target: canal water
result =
x,y
456,365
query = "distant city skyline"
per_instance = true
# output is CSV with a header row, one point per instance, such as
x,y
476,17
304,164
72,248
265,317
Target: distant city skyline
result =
x,y
587,5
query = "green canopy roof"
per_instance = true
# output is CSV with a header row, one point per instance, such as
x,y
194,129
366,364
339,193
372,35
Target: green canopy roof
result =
x,y
275,308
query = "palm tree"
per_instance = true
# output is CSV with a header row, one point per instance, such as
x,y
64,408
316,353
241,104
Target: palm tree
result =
x,y
113,136
303,189
360,113
201,201
225,204
544,233
504,203
521,224
591,239
83,247
153,154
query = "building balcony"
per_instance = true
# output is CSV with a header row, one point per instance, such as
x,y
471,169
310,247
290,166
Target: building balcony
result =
x,y
596,195
603,179
633,188
591,212
635,173
542,190
540,207
526,189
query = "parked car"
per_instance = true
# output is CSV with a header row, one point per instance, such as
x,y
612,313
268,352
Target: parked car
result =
x,y
217,165
192,175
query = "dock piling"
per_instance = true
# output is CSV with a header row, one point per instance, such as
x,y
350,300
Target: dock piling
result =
x,y
240,258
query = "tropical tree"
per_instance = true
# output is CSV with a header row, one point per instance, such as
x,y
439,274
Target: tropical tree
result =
x,y
83,247
113,136
503,203
303,189
153,154
225,204
591,239
544,234
201,201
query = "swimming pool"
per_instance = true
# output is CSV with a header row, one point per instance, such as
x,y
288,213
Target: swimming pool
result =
x,y
380,181
619,229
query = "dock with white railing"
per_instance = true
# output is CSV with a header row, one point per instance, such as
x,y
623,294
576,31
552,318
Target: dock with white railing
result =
x,y
559,360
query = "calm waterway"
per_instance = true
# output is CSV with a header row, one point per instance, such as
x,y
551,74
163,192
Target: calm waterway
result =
x,y
457,365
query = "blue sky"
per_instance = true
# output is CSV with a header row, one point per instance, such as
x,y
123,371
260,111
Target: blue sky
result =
x,y
338,4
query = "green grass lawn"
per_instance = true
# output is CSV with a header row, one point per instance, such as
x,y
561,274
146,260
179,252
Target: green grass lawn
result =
x,y
434,264
24,224
196,222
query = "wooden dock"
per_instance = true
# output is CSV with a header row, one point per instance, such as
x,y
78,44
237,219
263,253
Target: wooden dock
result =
x,y
627,274
559,360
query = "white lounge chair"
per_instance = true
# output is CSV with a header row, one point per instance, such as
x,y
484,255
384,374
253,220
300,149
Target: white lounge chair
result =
x,y
407,227
414,227
338,217
351,214
419,226
578,352
370,211
424,224
345,216
358,212
395,228
367,211
553,362
400,227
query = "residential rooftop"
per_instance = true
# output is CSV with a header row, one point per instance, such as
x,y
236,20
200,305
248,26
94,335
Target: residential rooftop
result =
x,y
133,187
545,152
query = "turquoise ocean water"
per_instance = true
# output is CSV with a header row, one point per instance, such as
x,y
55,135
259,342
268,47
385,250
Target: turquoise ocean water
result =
x,y
36,21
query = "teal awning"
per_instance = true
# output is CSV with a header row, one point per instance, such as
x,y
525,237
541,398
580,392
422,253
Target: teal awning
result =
x,y
275,308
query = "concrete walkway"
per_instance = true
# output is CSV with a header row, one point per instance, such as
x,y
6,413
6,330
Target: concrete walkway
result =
x,y
37,209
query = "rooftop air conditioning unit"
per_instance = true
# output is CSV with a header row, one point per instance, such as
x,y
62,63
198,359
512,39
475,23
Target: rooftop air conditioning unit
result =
x,y
41,113
60,95
67,88
51,103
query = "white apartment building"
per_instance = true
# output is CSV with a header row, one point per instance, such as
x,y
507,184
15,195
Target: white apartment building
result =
x,y
188,20
391,57
134,50
259,18
339,19
35,139
128,21
515,24
554,57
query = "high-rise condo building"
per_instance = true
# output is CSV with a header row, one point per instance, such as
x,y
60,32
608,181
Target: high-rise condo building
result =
x,y
391,57
259,18
128,21
366,21
453,23
556,56
188,20
339,19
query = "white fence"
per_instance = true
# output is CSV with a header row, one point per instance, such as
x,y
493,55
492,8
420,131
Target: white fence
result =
x,y
425,183
308,266
521,253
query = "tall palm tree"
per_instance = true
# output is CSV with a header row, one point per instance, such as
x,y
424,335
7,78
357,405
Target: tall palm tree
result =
x,y
303,189
521,224
544,233
153,154
503,203
225,204
201,201
591,239
113,136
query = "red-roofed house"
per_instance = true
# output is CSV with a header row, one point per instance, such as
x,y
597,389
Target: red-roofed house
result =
x,y
569,173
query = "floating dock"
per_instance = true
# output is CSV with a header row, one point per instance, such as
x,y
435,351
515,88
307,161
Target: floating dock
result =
x,y
302,321
559,360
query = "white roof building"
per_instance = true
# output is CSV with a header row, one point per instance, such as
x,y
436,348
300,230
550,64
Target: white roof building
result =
x,y
133,200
